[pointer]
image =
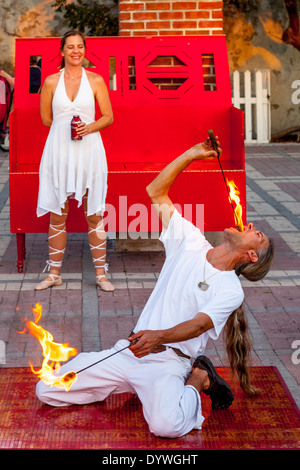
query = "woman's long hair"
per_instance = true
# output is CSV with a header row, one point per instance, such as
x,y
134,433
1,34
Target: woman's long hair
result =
x,y
237,336
72,32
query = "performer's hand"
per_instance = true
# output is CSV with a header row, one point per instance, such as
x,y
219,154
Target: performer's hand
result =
x,y
144,342
204,151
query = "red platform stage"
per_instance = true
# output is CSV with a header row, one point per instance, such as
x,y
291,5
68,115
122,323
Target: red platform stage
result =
x,y
166,93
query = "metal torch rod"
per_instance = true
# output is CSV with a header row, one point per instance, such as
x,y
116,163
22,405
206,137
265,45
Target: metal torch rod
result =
x,y
70,375
215,147
104,358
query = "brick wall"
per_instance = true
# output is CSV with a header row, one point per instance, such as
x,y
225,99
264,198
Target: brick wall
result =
x,y
156,18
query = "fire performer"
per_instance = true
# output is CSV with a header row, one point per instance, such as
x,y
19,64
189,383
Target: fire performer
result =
x,y
74,163
198,293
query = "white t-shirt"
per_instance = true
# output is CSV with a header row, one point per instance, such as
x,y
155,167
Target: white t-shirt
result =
x,y
177,297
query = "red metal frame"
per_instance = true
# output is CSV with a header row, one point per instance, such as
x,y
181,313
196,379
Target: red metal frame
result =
x,y
151,127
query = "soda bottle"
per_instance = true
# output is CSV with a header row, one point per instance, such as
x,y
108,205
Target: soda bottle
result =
x,y
74,123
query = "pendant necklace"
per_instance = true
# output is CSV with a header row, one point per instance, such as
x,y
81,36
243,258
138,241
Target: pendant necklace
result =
x,y
203,284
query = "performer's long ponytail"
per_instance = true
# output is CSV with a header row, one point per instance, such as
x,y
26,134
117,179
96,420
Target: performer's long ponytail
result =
x,y
238,346
237,335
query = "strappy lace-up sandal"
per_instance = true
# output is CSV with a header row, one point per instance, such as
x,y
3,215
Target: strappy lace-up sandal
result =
x,y
99,262
104,285
55,279
45,284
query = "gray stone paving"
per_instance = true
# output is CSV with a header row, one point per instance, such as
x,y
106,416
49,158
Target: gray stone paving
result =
x,y
79,313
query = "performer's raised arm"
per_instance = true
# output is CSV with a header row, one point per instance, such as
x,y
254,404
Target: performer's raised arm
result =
x,y
158,189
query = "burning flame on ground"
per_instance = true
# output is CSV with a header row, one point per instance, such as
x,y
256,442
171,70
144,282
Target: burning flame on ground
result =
x,y
53,353
234,197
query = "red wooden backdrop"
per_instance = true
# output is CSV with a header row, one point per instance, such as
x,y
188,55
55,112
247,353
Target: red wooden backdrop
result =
x,y
160,109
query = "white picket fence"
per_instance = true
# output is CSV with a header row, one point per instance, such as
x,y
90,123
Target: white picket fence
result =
x,y
251,93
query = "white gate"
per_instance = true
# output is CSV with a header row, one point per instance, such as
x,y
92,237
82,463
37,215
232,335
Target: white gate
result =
x,y
251,93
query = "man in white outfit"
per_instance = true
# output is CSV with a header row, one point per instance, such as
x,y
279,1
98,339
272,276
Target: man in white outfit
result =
x,y
196,292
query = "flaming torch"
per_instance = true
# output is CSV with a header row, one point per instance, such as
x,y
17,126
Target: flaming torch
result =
x,y
232,189
53,353
234,197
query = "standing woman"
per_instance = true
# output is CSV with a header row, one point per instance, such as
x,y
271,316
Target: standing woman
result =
x,y
74,168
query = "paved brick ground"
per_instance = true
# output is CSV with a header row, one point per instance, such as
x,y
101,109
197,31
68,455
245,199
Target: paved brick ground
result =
x,y
79,313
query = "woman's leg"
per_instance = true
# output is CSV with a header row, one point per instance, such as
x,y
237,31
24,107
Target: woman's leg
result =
x,y
57,239
97,242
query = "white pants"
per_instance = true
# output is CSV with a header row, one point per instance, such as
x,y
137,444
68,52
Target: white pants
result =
x,y
170,407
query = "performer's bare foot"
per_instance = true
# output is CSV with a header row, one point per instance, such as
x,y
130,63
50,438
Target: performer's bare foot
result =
x,y
199,379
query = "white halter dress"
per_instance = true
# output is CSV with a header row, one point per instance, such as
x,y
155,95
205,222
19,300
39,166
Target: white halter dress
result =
x,y
69,168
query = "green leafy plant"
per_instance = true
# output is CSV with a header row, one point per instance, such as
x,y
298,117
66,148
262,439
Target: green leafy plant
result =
x,y
89,17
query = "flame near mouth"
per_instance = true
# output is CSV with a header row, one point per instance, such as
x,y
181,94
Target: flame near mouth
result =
x,y
234,197
53,353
